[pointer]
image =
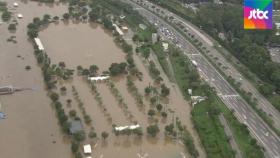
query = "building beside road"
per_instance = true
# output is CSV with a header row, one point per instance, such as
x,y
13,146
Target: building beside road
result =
x,y
117,28
165,46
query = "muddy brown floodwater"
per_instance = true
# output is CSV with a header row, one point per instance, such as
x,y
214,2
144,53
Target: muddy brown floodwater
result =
x,y
85,44
80,44
31,127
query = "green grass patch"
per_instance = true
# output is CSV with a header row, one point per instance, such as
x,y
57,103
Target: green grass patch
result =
x,y
185,75
162,58
211,132
145,35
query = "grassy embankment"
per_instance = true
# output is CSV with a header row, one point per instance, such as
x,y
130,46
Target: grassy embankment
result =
x,y
205,115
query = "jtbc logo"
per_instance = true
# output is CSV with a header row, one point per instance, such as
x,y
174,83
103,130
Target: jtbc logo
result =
x,y
258,14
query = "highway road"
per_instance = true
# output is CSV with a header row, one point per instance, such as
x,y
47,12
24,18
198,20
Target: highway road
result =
x,y
219,60
245,114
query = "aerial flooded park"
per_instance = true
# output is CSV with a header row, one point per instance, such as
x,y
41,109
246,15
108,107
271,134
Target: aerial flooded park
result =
x,y
84,89
99,79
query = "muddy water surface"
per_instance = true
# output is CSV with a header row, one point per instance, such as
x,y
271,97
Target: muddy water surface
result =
x,y
82,44
29,112
31,129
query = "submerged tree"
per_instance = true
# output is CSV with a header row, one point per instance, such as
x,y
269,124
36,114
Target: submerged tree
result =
x,y
104,135
153,130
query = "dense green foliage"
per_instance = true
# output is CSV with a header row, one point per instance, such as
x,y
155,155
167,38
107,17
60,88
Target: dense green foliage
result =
x,y
116,69
153,130
162,58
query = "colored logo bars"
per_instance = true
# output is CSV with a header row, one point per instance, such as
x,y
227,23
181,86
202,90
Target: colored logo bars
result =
x,y
258,14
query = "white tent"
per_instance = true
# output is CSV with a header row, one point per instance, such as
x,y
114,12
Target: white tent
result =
x,y
87,149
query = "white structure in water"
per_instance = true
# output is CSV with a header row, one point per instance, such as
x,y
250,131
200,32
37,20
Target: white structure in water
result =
x,y
118,29
20,16
132,127
98,78
15,4
39,44
87,149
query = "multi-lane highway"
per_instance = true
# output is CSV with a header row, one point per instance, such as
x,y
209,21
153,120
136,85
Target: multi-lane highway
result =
x,y
220,60
258,128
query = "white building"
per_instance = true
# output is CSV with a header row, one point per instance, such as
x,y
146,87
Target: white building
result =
x,y
98,78
39,44
87,149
